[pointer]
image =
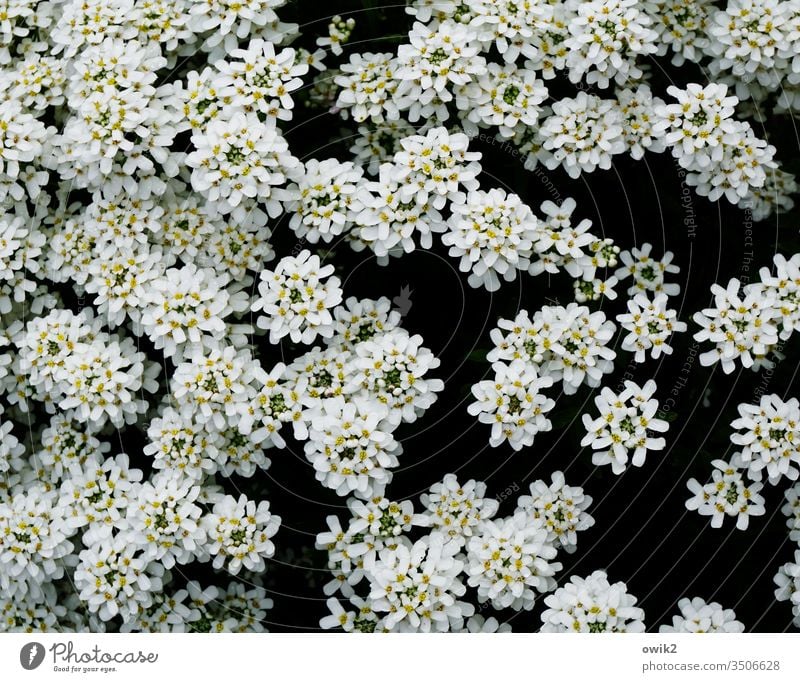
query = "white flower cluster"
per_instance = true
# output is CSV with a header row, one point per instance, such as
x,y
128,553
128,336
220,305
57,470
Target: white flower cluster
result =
x,y
723,156
766,434
567,344
394,583
560,245
727,494
747,322
788,581
148,152
624,430
592,604
698,616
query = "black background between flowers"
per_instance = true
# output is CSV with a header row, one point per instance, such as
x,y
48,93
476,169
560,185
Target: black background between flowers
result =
x,y
643,535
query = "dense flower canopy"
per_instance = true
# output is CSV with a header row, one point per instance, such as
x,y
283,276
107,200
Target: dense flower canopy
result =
x,y
159,333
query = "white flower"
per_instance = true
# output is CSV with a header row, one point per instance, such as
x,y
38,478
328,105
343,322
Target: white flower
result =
x,y
576,352
179,444
113,65
247,606
647,272
726,495
492,235
351,447
338,618
513,404
741,325
361,619
592,604
37,81
503,96
381,518
167,613
214,384
238,244
200,102
478,624
118,282
240,533
546,49
64,445
358,320
682,26
29,614
425,10
163,520
375,524
185,224
506,24
87,23
10,448
34,542
769,438
21,245
649,324
564,343
259,79
163,21
560,244
433,167
784,288
741,161
97,493
185,305
113,578
788,581
436,57
456,510
241,158
275,402
368,85
792,510
509,561
419,587
582,134
346,549
639,128
773,197
595,289
375,144
321,374
624,430
392,368
387,224
238,454
693,126
698,616
560,508
606,36
751,40
326,200
22,144
102,382
296,299
226,22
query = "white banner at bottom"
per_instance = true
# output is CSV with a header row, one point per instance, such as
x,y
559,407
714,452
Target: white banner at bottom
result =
x,y
386,658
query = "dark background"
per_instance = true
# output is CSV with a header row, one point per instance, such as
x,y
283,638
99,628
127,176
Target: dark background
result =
x,y
643,534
